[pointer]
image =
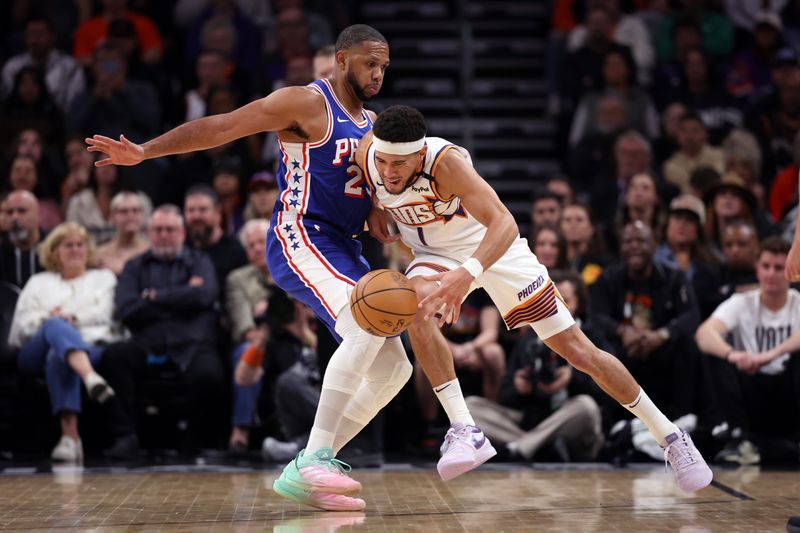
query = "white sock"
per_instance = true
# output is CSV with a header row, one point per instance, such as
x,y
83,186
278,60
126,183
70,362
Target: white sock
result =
x,y
646,411
452,399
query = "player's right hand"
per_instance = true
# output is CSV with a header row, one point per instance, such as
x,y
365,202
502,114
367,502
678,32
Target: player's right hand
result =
x,y
122,152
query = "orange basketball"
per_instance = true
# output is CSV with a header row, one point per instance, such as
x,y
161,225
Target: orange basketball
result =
x,y
383,303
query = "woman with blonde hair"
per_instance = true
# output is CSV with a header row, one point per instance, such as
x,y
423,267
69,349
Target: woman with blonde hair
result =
x,y
62,323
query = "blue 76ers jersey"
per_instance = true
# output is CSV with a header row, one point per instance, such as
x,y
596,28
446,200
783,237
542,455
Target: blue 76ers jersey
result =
x,y
317,181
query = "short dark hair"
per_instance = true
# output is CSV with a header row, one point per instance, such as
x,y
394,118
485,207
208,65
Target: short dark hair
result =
x,y
357,34
38,16
201,189
400,123
775,245
692,115
546,195
325,51
581,292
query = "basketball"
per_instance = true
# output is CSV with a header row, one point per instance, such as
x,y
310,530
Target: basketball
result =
x,y
383,303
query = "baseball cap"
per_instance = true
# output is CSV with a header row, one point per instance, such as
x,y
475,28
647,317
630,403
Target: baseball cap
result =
x,y
691,204
262,179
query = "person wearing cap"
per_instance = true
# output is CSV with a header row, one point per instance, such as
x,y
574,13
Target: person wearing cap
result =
x,y
731,199
685,245
262,191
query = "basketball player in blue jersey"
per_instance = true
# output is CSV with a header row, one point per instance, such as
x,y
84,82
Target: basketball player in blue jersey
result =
x,y
322,204
463,237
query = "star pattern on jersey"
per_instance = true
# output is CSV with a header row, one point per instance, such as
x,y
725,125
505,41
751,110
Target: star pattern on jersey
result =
x,y
295,164
295,191
296,177
292,236
295,246
287,227
460,212
294,196
293,202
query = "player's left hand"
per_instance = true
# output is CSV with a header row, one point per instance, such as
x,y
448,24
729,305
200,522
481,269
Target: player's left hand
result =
x,y
379,227
452,290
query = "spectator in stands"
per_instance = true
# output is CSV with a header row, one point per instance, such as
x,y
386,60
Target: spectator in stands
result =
x,y
204,232
247,290
753,377
320,33
685,246
91,208
749,76
543,400
19,258
549,246
618,79
685,36
715,283
730,199
30,106
585,244
561,187
61,324
783,191
716,30
29,143
210,71
129,210
700,92
593,155
667,142
627,30
261,197
227,184
63,75
694,151
92,34
5,221
166,298
24,176
546,209
115,103
702,179
80,163
649,314
743,157
324,62
642,202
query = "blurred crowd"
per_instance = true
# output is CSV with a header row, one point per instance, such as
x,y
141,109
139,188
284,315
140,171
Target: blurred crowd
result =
x,y
666,232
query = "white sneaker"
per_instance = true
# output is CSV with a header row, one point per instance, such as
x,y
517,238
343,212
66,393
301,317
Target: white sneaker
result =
x,y
276,450
464,448
68,451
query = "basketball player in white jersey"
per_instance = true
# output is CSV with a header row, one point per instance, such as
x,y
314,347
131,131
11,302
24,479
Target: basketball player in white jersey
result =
x,y
463,238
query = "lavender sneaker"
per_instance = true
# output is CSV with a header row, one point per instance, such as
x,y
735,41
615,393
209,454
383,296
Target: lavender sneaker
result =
x,y
691,471
465,448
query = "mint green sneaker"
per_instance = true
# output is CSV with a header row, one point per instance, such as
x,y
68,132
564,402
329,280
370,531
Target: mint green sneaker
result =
x,y
320,500
319,472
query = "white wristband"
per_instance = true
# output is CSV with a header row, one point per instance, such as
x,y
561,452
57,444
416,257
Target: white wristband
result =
x,y
473,266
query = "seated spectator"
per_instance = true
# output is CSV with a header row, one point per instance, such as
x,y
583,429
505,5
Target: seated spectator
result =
x,y
753,376
282,364
716,30
204,232
561,187
62,322
593,155
24,176
685,246
246,292
30,106
694,151
749,75
324,62
129,210
648,313
80,164
700,92
210,71
703,179
783,191
641,203
262,194
626,30
546,209
585,244
618,79
166,298
685,37
91,207
19,258
64,75
115,103
715,283
5,221
227,184
94,32
29,143
667,142
549,246
729,200
543,400
743,158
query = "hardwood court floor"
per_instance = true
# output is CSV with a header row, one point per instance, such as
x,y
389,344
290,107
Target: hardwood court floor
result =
x,y
495,499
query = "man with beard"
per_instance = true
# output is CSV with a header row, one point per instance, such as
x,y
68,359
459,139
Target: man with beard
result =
x,y
19,259
203,214
311,252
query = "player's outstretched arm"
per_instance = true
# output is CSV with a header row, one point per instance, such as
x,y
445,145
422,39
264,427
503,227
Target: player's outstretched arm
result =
x,y
278,111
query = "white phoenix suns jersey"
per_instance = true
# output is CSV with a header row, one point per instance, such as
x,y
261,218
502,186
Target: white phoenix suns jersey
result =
x,y
428,222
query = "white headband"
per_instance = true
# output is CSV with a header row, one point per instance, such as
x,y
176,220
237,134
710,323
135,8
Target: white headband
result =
x,y
394,148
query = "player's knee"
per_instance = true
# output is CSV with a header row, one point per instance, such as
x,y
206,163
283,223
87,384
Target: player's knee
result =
x,y
582,355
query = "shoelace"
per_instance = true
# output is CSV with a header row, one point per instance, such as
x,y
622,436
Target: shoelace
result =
x,y
341,466
681,450
450,436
